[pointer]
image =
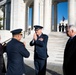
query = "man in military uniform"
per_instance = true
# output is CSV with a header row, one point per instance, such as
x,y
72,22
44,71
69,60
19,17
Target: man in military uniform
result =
x,y
15,52
40,50
60,27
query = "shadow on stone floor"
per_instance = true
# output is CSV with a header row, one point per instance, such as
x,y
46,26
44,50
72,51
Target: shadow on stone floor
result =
x,y
52,72
29,70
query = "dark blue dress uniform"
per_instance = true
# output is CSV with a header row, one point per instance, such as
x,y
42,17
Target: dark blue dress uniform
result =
x,y
15,53
40,53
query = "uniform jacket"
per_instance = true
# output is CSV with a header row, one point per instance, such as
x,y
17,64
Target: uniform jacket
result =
x,y
69,64
40,49
15,53
1,58
2,64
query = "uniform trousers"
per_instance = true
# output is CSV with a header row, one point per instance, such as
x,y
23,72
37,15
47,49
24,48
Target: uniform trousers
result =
x,y
40,66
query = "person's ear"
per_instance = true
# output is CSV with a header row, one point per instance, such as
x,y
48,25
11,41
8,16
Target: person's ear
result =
x,y
72,31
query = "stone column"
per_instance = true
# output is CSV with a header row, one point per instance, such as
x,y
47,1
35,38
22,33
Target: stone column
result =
x,y
36,12
41,12
26,16
55,16
72,11
17,14
47,16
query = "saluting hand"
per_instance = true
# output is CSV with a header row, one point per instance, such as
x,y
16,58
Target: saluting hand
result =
x,y
24,43
35,36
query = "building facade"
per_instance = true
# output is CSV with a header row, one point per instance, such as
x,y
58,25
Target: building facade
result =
x,y
18,15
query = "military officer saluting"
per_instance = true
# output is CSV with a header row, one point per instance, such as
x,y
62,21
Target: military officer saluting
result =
x,y
15,52
40,50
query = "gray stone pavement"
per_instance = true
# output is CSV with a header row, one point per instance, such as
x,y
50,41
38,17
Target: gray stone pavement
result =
x,y
52,69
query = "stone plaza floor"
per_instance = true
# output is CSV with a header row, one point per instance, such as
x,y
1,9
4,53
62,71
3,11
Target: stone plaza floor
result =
x,y
52,69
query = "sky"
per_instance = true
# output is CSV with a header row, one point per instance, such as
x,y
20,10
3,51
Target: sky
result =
x,y
62,12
